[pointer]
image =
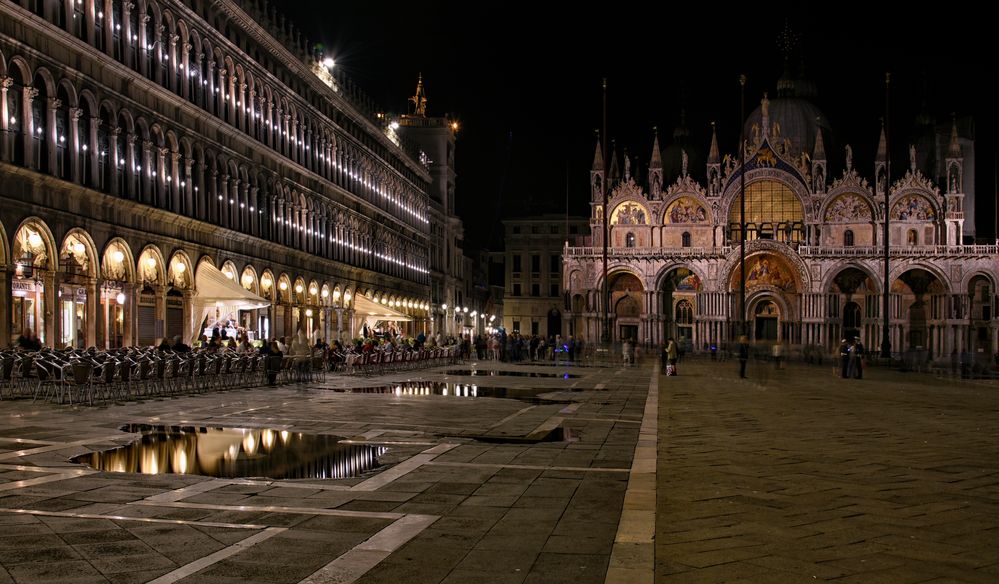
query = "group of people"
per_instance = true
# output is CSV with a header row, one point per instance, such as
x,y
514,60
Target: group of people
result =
x,y
851,358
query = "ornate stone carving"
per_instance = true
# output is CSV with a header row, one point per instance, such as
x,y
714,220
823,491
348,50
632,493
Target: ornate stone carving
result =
x,y
913,207
685,210
848,208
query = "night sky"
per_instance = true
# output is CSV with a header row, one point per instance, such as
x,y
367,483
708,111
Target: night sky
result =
x,y
526,84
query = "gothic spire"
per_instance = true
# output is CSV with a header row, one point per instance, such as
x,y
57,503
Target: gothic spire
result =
x,y
819,153
598,157
954,150
656,161
714,157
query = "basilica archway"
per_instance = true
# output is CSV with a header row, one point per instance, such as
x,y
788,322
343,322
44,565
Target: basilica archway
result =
x,y
923,306
770,277
626,301
853,306
678,290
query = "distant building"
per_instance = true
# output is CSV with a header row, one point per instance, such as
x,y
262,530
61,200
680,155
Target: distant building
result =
x,y
814,260
533,300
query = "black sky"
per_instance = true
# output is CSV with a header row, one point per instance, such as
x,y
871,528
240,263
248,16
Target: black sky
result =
x,y
524,79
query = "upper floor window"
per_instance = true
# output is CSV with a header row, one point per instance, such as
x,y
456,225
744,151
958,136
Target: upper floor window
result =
x,y
629,240
848,238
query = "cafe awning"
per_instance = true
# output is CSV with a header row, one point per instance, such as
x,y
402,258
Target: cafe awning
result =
x,y
212,290
373,312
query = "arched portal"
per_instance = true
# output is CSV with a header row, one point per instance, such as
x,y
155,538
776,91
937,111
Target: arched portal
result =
x,y
678,301
766,321
922,306
626,292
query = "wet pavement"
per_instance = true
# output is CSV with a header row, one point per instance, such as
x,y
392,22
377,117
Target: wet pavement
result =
x,y
471,486
618,476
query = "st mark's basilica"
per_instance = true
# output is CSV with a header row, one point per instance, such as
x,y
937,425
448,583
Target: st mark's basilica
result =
x,y
814,252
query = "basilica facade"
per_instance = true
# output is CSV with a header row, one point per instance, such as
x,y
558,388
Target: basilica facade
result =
x,y
814,251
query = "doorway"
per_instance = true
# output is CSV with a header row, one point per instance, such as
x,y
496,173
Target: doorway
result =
x,y
766,322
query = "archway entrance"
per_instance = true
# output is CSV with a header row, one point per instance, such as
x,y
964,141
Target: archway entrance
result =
x,y
766,321
923,300
626,292
678,297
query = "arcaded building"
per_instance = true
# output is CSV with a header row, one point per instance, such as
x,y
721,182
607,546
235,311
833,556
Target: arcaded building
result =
x,y
814,255
149,146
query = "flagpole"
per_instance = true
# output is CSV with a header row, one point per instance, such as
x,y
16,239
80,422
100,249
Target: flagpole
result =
x,y
743,324
886,304
605,335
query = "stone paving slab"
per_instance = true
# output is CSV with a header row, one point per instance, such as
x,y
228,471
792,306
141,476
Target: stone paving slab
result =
x,y
797,475
510,509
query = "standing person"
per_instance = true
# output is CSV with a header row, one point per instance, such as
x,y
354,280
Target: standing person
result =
x,y
778,354
857,356
28,341
671,355
626,351
743,355
844,359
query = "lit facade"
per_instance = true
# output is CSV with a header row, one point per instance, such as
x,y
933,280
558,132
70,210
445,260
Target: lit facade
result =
x,y
814,256
533,300
143,140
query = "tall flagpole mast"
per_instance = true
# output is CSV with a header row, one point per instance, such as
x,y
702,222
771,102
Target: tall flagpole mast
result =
x,y
605,335
743,324
886,305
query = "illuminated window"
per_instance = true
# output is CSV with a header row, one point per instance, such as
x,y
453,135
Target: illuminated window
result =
x,y
769,204
629,240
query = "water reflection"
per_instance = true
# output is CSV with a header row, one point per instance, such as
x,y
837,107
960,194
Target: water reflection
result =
x,y
454,390
495,373
236,452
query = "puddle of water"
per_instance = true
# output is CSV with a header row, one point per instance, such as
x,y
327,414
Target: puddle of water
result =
x,y
235,452
454,390
494,373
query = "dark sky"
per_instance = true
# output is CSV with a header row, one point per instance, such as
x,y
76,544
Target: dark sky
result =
x,y
525,83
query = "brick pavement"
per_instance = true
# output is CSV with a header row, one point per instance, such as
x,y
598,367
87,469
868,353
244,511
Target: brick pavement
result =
x,y
796,475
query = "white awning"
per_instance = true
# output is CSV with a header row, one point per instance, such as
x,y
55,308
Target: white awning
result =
x,y
214,291
373,312
212,287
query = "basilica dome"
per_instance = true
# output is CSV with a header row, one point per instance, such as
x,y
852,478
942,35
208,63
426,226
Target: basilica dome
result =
x,y
799,121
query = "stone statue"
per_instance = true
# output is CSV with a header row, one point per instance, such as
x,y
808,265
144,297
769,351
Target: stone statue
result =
x,y
912,157
683,162
849,158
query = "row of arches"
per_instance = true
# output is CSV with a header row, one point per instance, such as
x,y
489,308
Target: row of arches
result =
x,y
73,291
174,49
78,135
926,310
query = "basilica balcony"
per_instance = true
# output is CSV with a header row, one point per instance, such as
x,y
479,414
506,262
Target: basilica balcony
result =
x,y
648,252
805,251
818,251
